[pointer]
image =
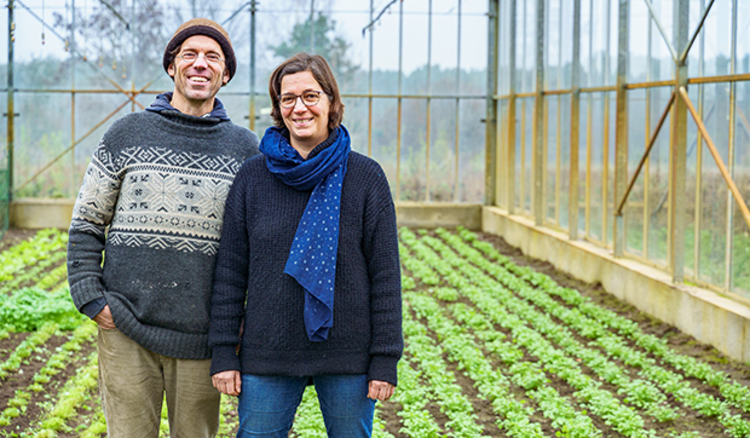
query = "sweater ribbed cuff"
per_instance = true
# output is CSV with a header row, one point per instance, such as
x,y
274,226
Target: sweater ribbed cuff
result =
x,y
224,358
86,291
383,368
94,307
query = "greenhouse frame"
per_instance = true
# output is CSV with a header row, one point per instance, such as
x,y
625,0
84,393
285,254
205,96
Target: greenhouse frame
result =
x,y
618,125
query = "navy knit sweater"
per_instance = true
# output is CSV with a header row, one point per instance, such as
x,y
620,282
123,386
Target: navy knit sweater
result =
x,y
262,215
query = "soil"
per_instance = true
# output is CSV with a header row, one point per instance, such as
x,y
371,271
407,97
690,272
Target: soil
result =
x,y
8,345
22,378
388,411
689,420
14,236
679,341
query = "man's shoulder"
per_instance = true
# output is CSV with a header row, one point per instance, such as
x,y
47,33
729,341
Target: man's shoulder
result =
x,y
131,121
243,133
126,128
244,139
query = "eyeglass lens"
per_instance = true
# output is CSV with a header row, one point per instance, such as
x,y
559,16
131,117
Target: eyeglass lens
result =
x,y
309,98
192,57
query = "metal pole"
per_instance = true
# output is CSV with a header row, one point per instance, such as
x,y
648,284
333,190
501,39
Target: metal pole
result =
x,y
731,151
72,96
621,129
490,177
558,142
133,59
253,9
369,82
605,149
538,156
699,163
400,100
646,217
575,125
312,26
429,90
458,107
522,122
510,164
522,177
547,84
677,195
589,128
11,110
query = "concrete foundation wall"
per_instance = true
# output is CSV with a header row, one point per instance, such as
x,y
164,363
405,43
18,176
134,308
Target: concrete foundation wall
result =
x,y
56,213
41,213
433,215
704,314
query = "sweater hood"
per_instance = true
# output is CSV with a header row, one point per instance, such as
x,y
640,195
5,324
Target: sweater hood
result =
x,y
163,103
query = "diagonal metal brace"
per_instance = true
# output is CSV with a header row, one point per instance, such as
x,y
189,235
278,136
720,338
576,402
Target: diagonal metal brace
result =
x,y
70,148
661,29
91,131
717,158
650,146
685,52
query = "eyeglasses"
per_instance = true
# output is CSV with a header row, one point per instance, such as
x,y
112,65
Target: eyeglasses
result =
x,y
191,57
309,98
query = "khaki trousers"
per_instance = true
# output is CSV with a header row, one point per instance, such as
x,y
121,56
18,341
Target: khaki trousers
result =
x,y
132,383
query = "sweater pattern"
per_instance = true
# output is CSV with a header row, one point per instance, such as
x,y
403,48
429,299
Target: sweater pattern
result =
x,y
168,199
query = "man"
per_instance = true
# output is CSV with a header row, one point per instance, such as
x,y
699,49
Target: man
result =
x,y
158,180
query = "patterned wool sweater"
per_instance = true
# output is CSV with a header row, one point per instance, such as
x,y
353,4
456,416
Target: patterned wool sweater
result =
x,y
260,224
153,200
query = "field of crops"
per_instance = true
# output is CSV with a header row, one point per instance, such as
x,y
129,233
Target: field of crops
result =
x,y
494,347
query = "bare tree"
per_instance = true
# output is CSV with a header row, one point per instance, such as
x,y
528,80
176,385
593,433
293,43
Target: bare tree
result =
x,y
117,32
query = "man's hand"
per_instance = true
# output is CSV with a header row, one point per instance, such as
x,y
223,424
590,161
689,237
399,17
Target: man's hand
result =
x,y
228,382
380,390
104,319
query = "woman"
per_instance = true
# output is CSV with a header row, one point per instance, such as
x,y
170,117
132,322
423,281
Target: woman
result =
x,y
308,260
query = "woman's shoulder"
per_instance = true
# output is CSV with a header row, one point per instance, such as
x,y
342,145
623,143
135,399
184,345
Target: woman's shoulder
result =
x,y
252,167
363,164
367,173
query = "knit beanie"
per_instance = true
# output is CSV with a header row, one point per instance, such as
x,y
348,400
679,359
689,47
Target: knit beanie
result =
x,y
209,28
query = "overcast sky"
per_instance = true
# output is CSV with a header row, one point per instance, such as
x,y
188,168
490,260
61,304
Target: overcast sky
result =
x,y
276,18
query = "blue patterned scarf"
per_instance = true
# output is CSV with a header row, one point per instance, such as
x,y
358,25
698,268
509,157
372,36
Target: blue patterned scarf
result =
x,y
312,259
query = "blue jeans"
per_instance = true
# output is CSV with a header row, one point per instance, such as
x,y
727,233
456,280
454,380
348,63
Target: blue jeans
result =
x,y
268,404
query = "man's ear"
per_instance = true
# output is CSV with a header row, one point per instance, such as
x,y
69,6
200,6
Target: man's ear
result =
x,y
226,77
170,69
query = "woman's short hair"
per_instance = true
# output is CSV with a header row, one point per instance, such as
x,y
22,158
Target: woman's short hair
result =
x,y
322,73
